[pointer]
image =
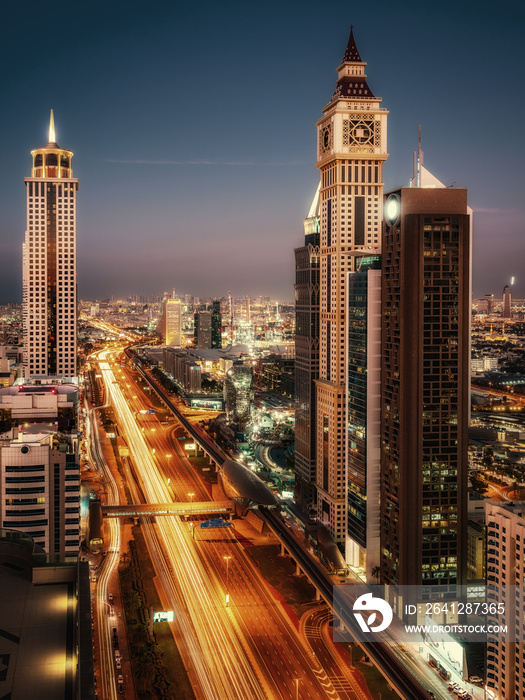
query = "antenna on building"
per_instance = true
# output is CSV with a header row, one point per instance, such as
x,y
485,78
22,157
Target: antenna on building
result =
x,y
418,159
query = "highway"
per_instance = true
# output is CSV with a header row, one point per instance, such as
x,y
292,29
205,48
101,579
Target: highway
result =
x,y
105,622
218,662
390,664
272,645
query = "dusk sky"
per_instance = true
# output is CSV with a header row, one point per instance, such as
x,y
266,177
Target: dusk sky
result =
x,y
193,128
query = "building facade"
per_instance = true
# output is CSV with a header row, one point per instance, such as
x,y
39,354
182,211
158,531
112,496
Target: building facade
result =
x,y
49,263
216,325
425,380
307,357
363,382
173,322
506,299
505,657
202,332
40,487
351,150
238,395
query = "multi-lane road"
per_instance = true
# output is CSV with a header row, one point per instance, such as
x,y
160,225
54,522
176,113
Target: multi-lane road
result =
x,y
237,640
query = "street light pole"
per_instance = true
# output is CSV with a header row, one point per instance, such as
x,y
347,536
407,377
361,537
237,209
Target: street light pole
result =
x,y
297,688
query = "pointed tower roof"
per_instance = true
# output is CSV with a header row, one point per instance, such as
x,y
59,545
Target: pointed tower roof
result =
x,y
52,139
351,53
351,82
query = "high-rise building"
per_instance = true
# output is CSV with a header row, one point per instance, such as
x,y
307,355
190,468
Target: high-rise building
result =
x,y
505,658
489,298
351,150
238,394
49,263
173,322
202,329
364,416
507,302
216,325
425,380
39,463
307,356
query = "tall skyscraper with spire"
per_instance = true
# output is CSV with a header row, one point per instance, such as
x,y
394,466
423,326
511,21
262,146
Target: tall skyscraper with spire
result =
x,y
49,263
351,150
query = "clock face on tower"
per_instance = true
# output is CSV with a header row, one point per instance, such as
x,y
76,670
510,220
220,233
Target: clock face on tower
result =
x,y
325,138
361,133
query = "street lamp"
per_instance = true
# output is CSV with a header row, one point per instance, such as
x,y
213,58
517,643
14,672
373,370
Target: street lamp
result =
x,y
227,560
297,688
191,497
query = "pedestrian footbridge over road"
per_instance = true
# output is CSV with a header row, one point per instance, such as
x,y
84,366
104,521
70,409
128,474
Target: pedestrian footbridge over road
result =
x,y
156,509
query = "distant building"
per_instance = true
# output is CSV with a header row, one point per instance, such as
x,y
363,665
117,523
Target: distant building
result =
x,y
183,369
173,323
484,364
49,263
238,394
507,302
161,325
11,363
489,298
216,325
202,332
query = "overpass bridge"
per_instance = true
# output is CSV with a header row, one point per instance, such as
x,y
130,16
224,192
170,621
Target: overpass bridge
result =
x,y
155,509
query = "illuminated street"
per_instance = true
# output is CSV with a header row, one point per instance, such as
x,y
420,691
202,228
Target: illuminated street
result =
x,y
246,648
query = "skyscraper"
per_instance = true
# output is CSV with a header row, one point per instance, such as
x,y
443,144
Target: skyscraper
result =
x,y
307,356
216,325
505,658
364,415
49,263
425,381
507,302
202,329
173,322
351,149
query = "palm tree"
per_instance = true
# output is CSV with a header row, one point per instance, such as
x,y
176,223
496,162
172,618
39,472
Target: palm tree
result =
x,y
142,635
133,602
376,573
144,673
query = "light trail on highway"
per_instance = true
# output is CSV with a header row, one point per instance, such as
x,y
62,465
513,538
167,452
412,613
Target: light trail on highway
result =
x,y
218,658
104,621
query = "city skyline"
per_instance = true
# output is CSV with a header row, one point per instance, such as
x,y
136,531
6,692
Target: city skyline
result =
x,y
193,135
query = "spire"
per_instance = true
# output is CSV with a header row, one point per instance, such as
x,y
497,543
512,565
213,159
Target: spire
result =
x,y
351,81
52,135
351,53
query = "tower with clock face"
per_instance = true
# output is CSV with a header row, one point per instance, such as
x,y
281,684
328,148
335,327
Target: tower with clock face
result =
x,y
351,150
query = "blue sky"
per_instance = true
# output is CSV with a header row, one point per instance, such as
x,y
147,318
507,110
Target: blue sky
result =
x,y
193,128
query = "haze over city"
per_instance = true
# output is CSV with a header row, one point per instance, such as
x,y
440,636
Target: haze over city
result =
x,y
194,140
